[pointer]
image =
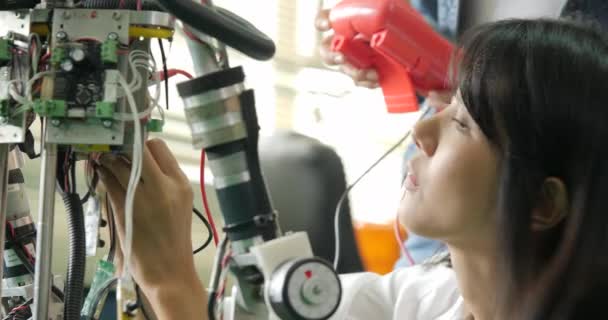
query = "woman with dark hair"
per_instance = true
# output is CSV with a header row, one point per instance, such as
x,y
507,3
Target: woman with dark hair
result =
x,y
511,176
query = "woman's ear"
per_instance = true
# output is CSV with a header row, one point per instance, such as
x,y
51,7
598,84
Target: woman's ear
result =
x,y
552,206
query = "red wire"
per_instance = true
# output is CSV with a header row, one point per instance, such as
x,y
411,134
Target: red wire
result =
x,y
172,73
191,36
205,204
20,308
45,57
183,73
27,252
138,5
400,240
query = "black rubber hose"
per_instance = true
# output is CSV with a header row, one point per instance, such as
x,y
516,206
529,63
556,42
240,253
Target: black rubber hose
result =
x,y
74,287
115,4
224,26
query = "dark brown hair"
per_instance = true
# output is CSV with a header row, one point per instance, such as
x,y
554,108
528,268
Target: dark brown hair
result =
x,y
538,89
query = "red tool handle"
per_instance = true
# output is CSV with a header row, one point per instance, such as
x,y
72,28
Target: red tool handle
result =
x,y
391,37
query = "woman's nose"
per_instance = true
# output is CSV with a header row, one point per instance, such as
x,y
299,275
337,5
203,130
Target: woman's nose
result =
x,y
425,134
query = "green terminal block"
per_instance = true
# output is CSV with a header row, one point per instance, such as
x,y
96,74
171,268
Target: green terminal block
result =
x,y
5,50
57,56
4,105
105,272
50,108
104,110
109,52
155,125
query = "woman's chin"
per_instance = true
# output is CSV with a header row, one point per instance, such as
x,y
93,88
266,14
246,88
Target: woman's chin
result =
x,y
416,221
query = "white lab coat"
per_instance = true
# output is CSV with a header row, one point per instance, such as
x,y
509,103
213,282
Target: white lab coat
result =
x,y
415,293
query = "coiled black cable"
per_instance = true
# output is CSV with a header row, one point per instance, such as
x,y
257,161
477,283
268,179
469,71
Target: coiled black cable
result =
x,y
74,287
223,25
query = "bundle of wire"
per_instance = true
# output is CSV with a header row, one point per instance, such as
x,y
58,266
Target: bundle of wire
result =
x,y
136,166
139,59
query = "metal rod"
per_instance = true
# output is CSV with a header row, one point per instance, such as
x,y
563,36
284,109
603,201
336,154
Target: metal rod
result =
x,y
4,152
44,239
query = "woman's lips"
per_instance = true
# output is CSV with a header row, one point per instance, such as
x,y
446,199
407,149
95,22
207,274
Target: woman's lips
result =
x,y
411,182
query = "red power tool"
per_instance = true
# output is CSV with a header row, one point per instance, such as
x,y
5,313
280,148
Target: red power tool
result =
x,y
391,37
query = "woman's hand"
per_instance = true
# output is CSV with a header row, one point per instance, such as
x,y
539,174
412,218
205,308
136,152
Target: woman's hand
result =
x,y
162,261
439,99
365,78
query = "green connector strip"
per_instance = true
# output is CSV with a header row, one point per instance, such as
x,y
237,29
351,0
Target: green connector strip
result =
x,y
5,50
57,56
50,108
109,52
104,110
155,125
105,271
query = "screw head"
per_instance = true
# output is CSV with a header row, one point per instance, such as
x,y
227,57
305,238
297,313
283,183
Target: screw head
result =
x,y
78,54
56,122
107,123
67,65
61,36
116,16
113,36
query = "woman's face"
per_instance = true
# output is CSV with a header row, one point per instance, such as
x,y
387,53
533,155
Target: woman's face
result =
x,y
450,192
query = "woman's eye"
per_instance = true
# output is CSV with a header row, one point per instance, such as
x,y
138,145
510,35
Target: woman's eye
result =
x,y
460,125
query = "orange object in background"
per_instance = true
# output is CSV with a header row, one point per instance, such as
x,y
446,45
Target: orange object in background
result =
x,y
378,246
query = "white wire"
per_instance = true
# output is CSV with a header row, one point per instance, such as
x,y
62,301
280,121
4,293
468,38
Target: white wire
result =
x,y
36,55
14,94
27,100
337,230
136,80
136,165
136,77
155,101
345,194
129,116
30,83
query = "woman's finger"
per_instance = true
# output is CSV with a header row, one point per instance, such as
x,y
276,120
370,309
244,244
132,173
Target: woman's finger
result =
x,y
118,167
151,171
354,73
329,57
164,158
367,84
322,22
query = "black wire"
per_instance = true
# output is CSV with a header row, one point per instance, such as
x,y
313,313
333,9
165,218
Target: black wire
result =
x,y
20,252
165,70
61,167
91,186
210,237
140,302
99,296
112,229
216,279
73,169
